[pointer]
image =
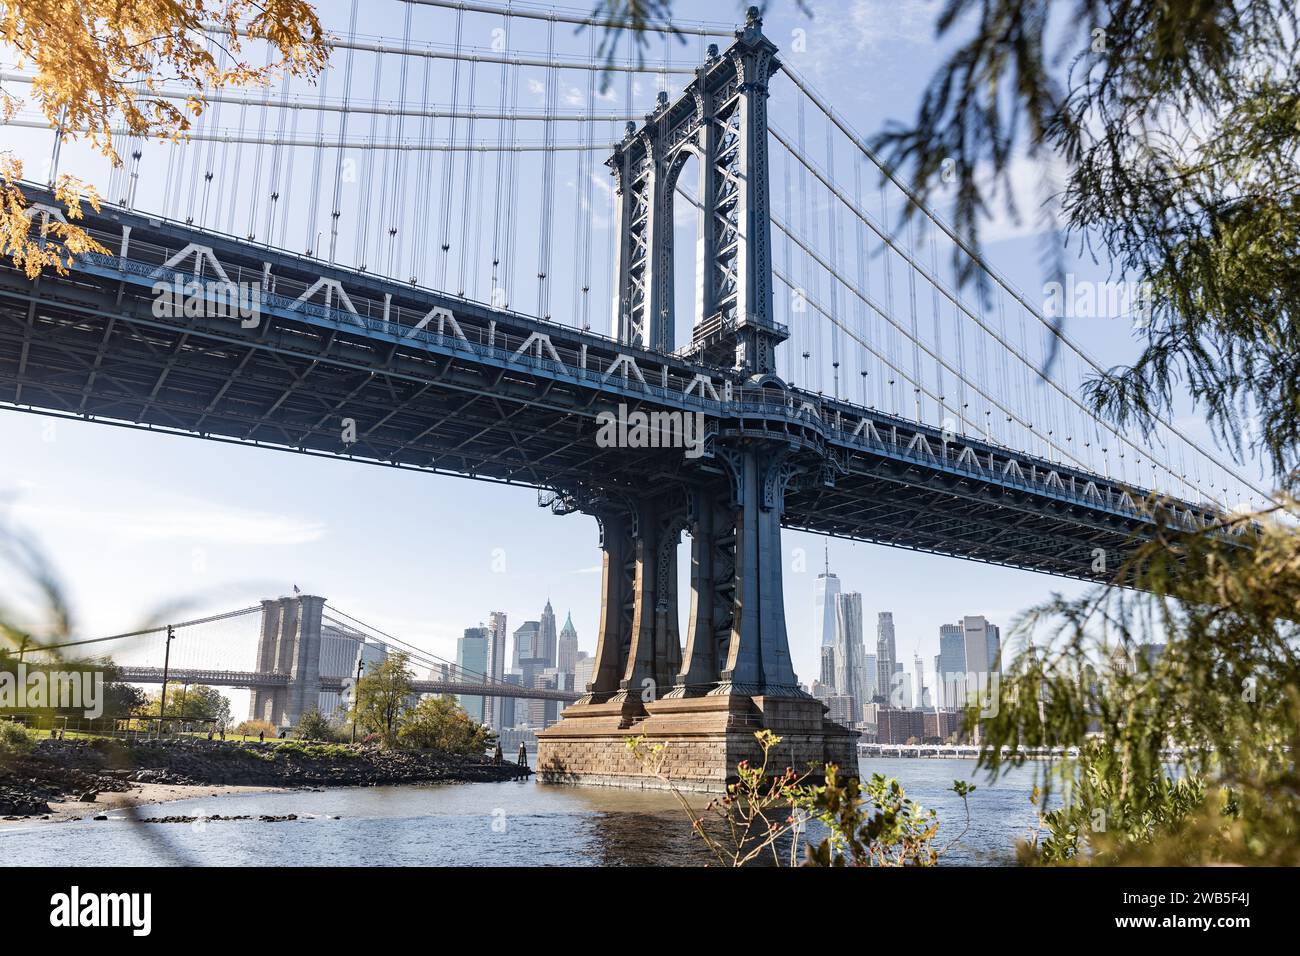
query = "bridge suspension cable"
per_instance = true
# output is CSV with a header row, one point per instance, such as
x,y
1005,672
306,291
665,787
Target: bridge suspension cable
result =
x,y
883,233
321,104
560,15
859,143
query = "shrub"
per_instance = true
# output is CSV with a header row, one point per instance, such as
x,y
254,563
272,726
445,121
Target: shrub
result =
x,y
313,725
254,727
15,738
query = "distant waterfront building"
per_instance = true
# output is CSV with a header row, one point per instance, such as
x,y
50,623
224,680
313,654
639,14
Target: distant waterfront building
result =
x,y
567,646
898,725
471,665
825,588
886,653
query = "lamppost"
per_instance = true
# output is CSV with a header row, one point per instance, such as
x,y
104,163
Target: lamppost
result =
x,y
361,664
167,660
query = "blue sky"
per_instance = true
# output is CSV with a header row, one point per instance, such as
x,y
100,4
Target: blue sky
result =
x,y
135,520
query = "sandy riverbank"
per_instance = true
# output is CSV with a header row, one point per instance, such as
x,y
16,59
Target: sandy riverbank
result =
x,y
140,795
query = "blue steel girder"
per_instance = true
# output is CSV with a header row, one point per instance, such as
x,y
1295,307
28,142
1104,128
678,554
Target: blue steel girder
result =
x,y
485,393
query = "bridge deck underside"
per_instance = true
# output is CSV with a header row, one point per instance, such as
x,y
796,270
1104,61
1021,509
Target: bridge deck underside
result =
x,y
91,346
81,350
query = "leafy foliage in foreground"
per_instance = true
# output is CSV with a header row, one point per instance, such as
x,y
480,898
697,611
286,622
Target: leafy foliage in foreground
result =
x,y
762,811
99,68
1185,756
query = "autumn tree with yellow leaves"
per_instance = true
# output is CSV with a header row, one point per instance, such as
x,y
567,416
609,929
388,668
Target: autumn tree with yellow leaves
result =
x,y
97,67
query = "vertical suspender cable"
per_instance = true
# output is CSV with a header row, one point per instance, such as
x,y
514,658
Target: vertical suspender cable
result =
x,y
499,197
311,244
467,190
419,260
449,160
336,212
548,182
398,199
363,227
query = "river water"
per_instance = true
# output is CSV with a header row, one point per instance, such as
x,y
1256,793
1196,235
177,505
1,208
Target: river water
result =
x,y
520,823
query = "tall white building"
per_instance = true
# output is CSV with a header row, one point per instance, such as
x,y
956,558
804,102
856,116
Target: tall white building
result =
x,y
981,641
850,681
583,670
886,653
496,665
567,652
547,637
825,588
870,677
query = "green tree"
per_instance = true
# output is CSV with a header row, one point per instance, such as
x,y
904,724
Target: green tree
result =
x,y
1177,126
313,725
381,697
196,702
439,723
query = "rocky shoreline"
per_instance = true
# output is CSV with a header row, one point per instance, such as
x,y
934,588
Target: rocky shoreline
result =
x,y
57,771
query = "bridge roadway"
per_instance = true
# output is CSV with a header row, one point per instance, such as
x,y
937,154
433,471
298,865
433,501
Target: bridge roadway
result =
x,y
251,679
443,384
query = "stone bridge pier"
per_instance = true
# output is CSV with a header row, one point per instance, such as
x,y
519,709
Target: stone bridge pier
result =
x,y
289,643
734,678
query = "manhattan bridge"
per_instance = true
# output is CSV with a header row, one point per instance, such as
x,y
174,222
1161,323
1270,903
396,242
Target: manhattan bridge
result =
x,y
432,233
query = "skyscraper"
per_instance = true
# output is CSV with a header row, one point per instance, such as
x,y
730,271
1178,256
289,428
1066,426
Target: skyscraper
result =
x,y
922,691
827,675
981,640
525,643
583,668
951,665
825,588
871,677
496,665
471,664
886,653
849,651
547,639
567,652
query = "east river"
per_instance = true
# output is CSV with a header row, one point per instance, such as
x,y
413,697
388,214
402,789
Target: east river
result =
x,y
484,824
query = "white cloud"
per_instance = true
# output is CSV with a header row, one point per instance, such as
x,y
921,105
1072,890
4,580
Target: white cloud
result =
x,y
178,519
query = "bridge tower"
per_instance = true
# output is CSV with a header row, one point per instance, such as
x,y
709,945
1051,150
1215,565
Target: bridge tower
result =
x,y
289,643
735,675
721,119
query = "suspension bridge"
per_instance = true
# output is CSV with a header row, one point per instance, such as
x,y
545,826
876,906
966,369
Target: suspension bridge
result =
x,y
294,653
392,297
